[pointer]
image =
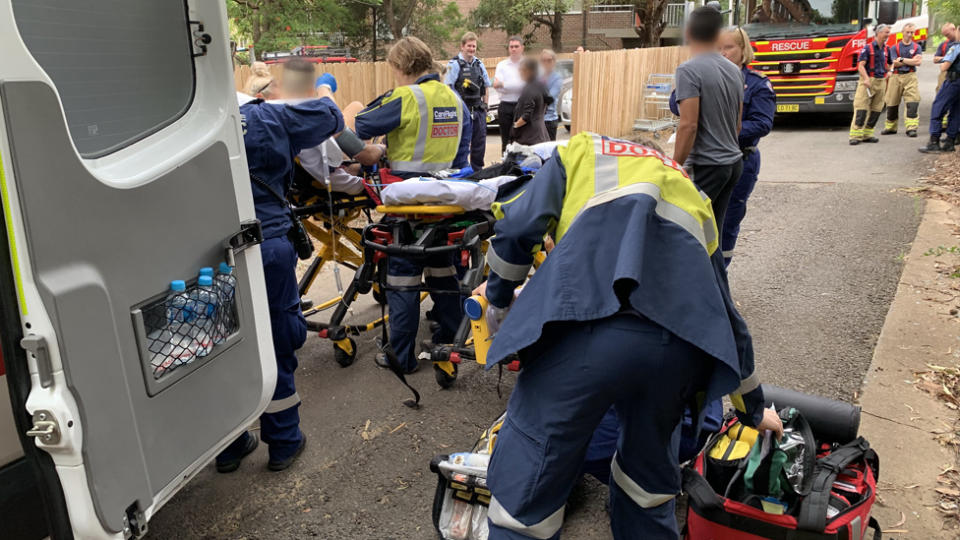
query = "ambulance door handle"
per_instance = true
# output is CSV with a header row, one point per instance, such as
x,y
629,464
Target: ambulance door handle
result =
x,y
37,347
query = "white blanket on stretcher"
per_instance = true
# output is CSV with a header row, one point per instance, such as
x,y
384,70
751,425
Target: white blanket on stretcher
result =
x,y
468,194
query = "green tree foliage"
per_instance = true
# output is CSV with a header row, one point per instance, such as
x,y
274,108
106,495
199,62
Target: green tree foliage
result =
x,y
516,16
434,21
280,25
945,10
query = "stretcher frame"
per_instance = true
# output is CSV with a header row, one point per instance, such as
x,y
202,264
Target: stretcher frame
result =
x,y
442,231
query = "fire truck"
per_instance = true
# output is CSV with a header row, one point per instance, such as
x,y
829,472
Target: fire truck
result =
x,y
809,48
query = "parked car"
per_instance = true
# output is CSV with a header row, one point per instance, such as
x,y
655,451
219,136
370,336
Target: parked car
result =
x,y
318,54
564,68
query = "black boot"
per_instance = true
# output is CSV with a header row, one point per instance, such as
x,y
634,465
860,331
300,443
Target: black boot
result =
x,y
912,133
947,146
932,147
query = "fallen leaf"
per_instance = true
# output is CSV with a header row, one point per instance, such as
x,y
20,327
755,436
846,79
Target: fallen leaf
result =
x,y
394,430
903,519
948,492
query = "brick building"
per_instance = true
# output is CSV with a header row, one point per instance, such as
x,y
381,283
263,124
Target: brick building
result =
x,y
610,25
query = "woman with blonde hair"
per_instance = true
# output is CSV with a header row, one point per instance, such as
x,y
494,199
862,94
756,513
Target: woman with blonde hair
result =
x,y
427,127
261,83
759,106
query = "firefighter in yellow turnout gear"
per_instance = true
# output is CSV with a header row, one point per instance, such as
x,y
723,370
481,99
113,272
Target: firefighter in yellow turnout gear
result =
x,y
868,101
905,56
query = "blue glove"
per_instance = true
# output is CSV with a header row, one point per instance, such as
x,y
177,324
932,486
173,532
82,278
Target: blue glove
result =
x,y
327,80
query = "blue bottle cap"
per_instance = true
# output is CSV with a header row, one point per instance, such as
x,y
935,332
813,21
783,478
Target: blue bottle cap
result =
x,y
178,285
206,271
226,268
473,309
205,281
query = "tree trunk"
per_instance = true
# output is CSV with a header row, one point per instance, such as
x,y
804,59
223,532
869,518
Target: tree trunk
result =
x,y
651,22
556,29
584,15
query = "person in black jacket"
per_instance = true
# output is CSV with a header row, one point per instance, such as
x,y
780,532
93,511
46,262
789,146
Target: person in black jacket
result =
x,y
528,124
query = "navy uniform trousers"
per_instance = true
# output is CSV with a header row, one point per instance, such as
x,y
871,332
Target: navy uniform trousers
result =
x,y
577,372
946,102
737,208
280,423
438,272
478,137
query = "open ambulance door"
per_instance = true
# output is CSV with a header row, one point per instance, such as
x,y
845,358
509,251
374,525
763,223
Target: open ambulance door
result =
x,y
122,168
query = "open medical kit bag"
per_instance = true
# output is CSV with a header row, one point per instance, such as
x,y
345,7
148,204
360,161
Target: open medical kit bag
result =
x,y
462,498
818,482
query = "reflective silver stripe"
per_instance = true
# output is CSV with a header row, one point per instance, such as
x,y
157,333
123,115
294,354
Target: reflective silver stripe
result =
x,y
749,384
606,175
460,119
446,271
283,404
545,528
639,495
403,281
419,166
506,270
727,254
667,211
421,147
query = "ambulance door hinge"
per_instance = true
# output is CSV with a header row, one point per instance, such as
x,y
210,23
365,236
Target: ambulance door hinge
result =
x,y
45,427
251,234
199,38
37,347
134,522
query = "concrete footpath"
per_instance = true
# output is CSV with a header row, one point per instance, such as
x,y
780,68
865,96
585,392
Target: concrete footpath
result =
x,y
913,431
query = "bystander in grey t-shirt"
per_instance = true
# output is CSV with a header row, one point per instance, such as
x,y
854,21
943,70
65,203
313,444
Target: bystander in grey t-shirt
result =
x,y
719,85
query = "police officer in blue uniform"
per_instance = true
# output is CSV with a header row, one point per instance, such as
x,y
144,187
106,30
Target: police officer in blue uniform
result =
x,y
759,106
467,75
273,134
947,101
630,309
428,129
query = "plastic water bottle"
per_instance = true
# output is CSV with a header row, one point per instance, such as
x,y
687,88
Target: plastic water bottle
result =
x,y
204,305
174,342
226,286
206,271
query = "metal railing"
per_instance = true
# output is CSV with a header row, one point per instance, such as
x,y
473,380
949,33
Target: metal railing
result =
x,y
673,15
611,8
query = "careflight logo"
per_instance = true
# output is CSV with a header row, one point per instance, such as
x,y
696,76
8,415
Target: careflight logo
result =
x,y
787,46
445,123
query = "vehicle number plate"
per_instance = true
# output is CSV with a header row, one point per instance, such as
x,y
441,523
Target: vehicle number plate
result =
x,y
788,107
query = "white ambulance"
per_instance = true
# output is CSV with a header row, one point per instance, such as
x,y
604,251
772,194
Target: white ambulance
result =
x,y
122,168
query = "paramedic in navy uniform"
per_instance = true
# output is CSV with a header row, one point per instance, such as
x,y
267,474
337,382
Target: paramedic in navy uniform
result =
x,y
273,134
427,127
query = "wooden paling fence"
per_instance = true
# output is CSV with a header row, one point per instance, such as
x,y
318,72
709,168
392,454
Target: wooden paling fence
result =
x,y
608,86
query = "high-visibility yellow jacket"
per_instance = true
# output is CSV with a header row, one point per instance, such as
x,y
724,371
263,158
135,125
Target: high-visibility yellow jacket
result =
x,y
426,123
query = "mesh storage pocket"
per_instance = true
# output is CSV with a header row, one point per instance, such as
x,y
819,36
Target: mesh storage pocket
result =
x,y
179,329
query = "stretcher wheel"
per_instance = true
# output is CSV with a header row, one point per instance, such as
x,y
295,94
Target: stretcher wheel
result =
x,y
342,355
444,379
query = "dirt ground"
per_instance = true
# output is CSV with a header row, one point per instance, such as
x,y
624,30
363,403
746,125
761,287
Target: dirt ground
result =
x,y
816,269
